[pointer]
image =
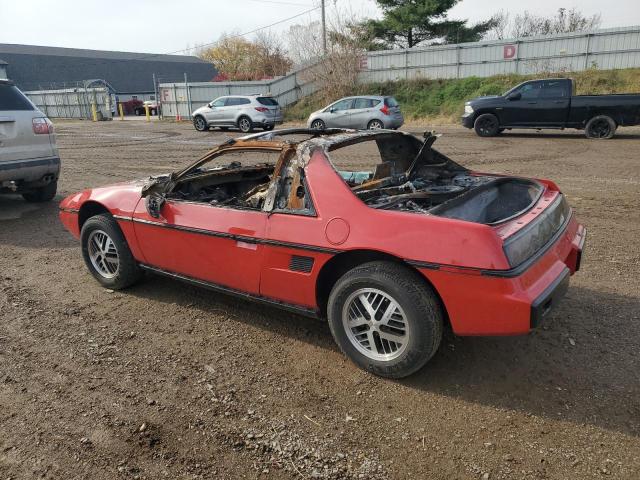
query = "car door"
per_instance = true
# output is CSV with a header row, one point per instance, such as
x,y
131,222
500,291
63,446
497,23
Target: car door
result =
x,y
215,244
215,111
553,103
520,106
362,112
338,114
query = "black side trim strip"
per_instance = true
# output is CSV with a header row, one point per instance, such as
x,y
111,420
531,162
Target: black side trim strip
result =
x,y
309,312
241,238
54,161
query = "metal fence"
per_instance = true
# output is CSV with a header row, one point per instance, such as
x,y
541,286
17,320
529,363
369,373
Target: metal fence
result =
x,y
182,98
73,102
570,52
601,49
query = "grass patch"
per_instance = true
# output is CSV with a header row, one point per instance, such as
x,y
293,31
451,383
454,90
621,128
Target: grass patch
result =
x,y
425,99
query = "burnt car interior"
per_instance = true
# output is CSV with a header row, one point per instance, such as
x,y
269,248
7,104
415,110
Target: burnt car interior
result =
x,y
414,177
411,176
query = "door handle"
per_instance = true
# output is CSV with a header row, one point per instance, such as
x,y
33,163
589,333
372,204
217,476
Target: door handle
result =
x,y
7,119
532,103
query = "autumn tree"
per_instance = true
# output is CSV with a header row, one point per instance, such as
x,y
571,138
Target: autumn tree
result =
x,y
237,58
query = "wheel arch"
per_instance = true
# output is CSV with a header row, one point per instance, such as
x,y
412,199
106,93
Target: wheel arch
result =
x,y
341,263
90,209
490,111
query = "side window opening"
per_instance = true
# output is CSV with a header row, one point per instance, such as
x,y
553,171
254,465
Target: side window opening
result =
x,y
235,179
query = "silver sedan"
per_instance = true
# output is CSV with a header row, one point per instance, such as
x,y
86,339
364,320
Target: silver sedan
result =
x,y
363,112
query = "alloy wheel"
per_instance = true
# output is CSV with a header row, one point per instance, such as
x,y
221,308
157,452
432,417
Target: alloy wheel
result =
x,y
600,129
375,324
200,125
375,125
103,254
244,124
317,125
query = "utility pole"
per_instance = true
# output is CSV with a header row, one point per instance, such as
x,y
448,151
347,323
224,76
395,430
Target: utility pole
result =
x,y
324,29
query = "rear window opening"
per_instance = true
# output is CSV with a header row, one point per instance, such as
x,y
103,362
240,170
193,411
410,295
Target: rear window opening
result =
x,y
390,102
12,99
403,174
268,101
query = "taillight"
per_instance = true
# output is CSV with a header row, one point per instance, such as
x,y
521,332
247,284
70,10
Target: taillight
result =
x,y
42,126
262,109
385,110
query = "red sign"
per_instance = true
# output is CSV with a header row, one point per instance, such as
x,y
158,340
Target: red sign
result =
x,y
510,51
364,63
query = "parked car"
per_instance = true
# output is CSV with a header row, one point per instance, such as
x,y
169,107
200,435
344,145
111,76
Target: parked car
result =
x,y
389,258
370,112
550,103
141,108
29,160
245,112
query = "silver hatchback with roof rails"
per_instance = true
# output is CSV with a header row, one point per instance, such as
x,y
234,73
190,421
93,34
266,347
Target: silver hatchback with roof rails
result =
x,y
245,112
29,161
362,112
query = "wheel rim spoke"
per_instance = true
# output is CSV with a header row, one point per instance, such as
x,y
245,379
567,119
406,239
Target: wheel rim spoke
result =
x,y
103,254
375,324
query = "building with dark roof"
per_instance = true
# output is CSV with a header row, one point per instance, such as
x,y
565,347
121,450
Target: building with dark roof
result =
x,y
130,74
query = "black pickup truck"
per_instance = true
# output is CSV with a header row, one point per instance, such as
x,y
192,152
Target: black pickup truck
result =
x,y
550,103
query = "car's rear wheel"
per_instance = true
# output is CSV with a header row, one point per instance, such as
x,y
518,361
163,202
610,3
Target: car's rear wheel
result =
x,y
200,124
385,318
42,194
318,124
245,125
267,128
487,125
600,126
106,253
375,125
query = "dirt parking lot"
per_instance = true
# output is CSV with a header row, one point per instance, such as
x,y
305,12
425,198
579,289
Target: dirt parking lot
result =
x,y
165,380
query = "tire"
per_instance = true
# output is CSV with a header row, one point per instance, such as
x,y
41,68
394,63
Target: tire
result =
x,y
486,125
200,124
600,126
42,194
268,128
116,270
318,124
416,305
375,125
245,125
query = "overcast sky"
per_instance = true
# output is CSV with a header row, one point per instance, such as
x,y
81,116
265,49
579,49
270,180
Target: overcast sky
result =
x,y
162,26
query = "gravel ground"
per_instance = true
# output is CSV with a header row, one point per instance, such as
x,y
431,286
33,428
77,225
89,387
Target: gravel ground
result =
x,y
165,380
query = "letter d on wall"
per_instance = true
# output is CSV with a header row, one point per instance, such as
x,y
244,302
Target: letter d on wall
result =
x,y
509,51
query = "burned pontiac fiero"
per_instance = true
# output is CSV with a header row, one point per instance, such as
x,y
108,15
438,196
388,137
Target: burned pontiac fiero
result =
x,y
390,257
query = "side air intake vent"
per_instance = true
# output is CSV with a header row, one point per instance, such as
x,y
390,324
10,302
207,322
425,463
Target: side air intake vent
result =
x,y
301,264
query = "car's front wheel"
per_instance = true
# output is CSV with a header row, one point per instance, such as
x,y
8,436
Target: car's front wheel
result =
x,y
200,124
245,125
106,253
318,124
487,125
385,318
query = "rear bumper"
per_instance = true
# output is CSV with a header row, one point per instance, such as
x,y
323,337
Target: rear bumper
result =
x,y
32,170
480,303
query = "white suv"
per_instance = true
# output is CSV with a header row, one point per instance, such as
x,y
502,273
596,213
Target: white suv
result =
x,y
242,111
29,161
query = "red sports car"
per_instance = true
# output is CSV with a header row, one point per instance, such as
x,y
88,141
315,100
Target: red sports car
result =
x,y
389,257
